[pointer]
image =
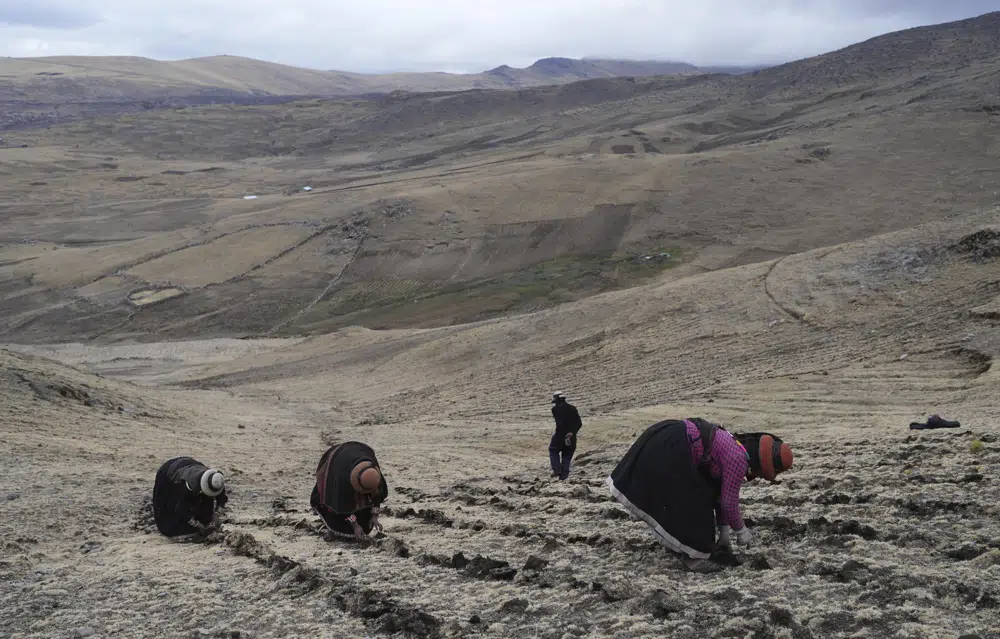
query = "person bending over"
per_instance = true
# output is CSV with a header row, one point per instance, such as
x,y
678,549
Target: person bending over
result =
x,y
349,489
187,496
683,479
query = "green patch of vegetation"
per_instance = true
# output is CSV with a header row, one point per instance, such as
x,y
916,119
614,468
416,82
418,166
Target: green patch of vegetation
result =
x,y
557,280
407,304
976,447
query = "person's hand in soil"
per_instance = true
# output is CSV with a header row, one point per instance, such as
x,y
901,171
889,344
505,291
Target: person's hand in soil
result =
x,y
744,538
377,525
725,541
359,534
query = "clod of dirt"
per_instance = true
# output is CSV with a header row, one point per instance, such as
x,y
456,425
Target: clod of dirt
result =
x,y
580,491
661,605
528,492
933,507
982,598
725,557
834,623
481,567
965,552
91,546
503,574
987,560
593,540
399,548
514,606
475,620
416,622
782,617
851,571
434,517
614,513
367,605
619,590
785,527
841,527
245,545
535,563
757,562
831,498
551,545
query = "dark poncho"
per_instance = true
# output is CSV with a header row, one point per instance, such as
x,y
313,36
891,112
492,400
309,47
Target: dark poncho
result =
x,y
658,484
333,496
174,505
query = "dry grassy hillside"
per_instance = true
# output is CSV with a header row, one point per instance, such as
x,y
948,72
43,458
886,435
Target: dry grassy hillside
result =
x,y
429,210
919,53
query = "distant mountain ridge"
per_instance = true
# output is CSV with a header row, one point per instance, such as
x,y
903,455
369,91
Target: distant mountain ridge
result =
x,y
42,91
52,89
237,73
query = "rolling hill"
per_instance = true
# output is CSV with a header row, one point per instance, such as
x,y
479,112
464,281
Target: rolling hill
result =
x,y
52,89
431,209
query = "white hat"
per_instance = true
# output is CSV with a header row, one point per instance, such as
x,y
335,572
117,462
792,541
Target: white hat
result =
x,y
557,395
212,482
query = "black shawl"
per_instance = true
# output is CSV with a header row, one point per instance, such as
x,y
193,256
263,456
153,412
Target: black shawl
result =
x,y
333,490
174,504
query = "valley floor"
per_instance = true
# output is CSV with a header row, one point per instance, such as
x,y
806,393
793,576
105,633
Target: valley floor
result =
x,y
879,531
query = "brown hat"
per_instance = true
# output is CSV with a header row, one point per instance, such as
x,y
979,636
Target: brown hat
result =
x,y
366,478
370,479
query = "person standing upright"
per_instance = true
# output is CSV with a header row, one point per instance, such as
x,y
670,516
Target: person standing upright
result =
x,y
563,443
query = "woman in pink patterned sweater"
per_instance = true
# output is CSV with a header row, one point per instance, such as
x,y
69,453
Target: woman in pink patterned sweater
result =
x,y
683,478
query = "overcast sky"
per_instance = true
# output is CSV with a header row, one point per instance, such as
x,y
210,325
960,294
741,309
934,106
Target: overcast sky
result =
x,y
461,35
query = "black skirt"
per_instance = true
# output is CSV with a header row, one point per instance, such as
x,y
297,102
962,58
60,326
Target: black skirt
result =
x,y
337,523
658,484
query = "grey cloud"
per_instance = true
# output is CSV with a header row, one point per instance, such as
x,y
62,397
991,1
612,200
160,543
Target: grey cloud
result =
x,y
459,35
48,15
